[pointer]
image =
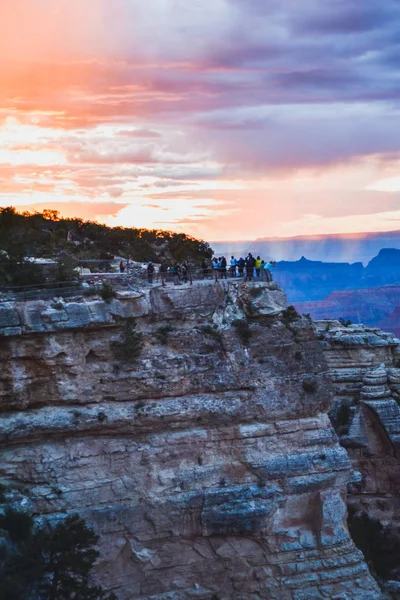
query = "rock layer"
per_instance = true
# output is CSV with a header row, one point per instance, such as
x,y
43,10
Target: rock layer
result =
x,y
364,366
208,467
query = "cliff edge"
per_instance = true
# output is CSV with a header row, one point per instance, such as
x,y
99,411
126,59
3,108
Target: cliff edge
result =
x,y
207,465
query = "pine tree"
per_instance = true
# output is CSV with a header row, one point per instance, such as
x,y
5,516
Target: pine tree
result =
x,y
49,563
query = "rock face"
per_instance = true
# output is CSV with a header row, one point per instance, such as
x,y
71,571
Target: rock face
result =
x,y
364,365
208,467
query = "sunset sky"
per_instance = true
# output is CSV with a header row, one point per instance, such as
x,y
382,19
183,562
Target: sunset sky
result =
x,y
226,119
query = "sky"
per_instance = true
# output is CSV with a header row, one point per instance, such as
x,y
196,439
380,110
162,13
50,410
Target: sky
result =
x,y
224,119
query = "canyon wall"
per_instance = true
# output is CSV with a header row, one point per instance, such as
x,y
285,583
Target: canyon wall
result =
x,y
364,367
208,466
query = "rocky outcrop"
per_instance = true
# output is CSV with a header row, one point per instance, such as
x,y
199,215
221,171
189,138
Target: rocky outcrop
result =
x,y
364,364
208,466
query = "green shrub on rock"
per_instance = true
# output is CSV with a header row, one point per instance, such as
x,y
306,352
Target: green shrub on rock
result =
x,y
290,315
129,348
107,292
243,330
48,562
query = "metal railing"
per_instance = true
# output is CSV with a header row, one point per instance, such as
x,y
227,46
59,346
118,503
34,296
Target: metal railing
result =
x,y
91,284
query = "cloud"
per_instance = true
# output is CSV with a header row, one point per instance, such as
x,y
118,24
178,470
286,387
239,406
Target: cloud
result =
x,y
85,210
125,100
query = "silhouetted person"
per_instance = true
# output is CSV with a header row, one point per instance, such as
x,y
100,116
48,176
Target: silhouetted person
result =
x,y
250,264
240,265
150,272
204,268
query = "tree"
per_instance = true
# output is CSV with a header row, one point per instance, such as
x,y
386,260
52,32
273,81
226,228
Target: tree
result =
x,y
49,562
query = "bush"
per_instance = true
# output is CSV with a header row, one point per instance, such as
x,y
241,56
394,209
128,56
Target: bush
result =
x,y
243,330
162,334
129,349
345,322
49,563
17,524
106,292
310,386
290,315
211,331
342,416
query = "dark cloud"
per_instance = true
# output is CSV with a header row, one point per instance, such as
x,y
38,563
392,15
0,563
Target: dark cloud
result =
x,y
349,17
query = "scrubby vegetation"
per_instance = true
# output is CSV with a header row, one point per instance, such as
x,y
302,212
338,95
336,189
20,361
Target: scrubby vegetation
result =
x,y
310,385
243,330
290,315
47,235
129,348
47,562
106,292
380,545
345,322
211,331
162,334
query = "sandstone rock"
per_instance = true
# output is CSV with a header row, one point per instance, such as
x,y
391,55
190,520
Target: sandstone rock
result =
x,y
205,466
8,316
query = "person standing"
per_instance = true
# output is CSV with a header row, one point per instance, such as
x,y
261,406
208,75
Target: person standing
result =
x,y
215,267
163,273
150,272
250,264
223,267
241,264
258,263
267,270
184,271
233,266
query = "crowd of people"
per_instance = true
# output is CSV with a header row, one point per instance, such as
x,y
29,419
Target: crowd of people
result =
x,y
248,268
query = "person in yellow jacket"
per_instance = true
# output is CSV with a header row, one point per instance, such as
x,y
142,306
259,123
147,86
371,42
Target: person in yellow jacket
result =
x,y
258,266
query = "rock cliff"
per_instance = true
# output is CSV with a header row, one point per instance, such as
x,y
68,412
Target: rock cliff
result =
x,y
208,466
364,367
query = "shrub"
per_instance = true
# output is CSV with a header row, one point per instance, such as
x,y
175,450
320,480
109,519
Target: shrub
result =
x,y
162,334
106,292
17,524
345,322
211,331
243,330
48,563
3,491
343,415
310,386
58,305
128,350
290,315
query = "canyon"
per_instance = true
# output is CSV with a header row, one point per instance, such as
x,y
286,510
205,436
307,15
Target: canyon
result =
x,y
208,464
